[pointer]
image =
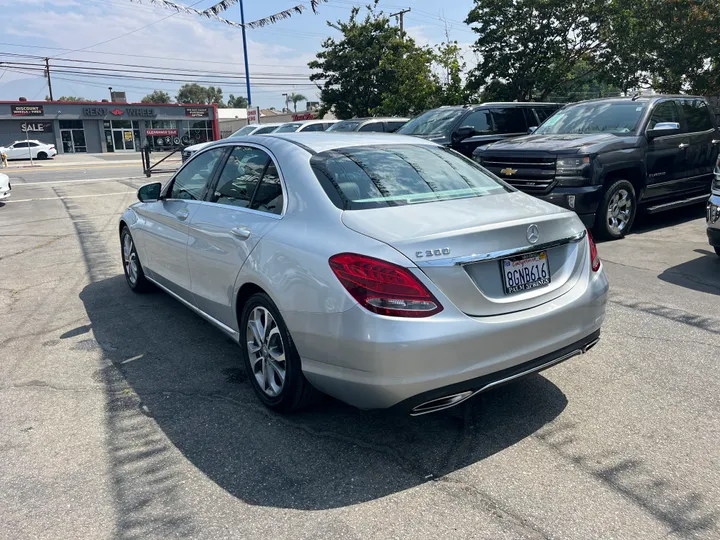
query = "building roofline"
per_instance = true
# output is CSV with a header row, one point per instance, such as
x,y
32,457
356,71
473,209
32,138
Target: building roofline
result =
x,y
103,103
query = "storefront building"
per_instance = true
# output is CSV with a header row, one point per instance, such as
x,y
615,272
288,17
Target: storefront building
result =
x,y
107,127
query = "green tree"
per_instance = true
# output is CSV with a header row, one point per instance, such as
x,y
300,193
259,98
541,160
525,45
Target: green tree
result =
x,y
373,69
238,102
195,93
533,46
451,66
295,98
69,98
157,96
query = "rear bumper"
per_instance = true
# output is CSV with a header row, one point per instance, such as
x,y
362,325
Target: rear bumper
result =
x,y
371,361
584,201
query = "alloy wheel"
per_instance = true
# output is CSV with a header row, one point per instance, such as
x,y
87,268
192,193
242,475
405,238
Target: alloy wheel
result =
x,y
130,259
266,351
619,211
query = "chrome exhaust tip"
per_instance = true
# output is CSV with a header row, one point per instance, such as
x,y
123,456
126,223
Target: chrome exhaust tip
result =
x,y
439,404
590,345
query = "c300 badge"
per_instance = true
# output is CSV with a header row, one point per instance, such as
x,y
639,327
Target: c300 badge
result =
x,y
432,253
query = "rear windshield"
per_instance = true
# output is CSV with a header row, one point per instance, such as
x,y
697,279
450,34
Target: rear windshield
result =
x,y
264,130
395,175
595,117
347,125
244,130
288,128
435,122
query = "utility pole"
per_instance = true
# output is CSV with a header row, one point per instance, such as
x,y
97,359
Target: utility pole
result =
x,y
400,15
245,52
47,73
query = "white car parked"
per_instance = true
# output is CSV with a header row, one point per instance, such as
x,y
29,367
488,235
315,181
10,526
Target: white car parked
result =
x,y
5,186
251,129
26,149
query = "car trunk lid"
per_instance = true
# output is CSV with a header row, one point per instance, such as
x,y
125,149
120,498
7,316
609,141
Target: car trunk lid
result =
x,y
461,244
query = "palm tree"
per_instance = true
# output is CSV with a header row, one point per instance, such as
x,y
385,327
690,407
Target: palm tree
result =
x,y
295,98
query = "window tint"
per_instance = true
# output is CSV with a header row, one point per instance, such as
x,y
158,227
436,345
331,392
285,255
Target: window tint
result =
x,y
373,126
240,177
346,125
478,120
394,125
33,144
509,120
697,115
190,182
393,175
314,127
665,111
269,196
543,113
20,145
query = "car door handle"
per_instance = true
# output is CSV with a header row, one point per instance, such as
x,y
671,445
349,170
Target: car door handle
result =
x,y
683,145
182,215
243,233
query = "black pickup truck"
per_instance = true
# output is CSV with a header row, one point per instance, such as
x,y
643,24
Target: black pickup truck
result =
x,y
606,158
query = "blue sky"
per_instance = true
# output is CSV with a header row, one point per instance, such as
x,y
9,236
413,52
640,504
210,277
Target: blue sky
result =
x,y
56,28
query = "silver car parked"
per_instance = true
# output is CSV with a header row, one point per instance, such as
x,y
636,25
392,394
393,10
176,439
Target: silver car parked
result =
x,y
384,270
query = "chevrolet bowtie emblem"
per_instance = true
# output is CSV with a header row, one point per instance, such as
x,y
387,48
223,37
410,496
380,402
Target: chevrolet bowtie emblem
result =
x,y
508,171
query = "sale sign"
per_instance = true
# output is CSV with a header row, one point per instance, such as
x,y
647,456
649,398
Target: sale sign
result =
x,y
161,132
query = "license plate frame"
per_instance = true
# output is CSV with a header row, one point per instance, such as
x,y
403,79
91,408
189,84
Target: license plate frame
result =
x,y
527,280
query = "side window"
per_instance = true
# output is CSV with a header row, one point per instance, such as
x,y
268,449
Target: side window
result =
x,y
478,120
240,177
697,115
314,127
373,126
394,125
543,113
33,144
509,120
665,111
269,196
20,145
190,182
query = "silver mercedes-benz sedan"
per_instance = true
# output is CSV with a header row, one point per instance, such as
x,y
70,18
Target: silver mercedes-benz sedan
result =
x,y
384,270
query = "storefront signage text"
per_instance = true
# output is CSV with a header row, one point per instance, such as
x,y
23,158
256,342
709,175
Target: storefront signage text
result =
x,y
26,110
136,112
161,132
196,112
40,127
303,116
253,115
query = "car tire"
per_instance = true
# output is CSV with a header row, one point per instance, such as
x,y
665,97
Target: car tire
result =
x,y
616,212
133,270
41,155
264,340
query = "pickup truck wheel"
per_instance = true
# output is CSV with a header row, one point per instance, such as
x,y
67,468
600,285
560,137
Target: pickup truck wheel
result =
x,y
617,211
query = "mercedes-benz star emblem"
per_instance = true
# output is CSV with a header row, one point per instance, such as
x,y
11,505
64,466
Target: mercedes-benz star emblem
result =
x,y
533,233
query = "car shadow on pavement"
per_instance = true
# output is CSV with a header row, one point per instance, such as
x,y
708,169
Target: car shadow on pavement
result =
x,y
653,222
700,274
166,363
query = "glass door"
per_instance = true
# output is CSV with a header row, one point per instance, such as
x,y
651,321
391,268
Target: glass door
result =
x,y
129,141
67,142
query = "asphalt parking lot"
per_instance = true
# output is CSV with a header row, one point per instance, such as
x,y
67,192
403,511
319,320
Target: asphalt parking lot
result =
x,y
127,416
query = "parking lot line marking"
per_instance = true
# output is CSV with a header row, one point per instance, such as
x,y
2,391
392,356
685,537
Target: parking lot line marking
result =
x,y
70,197
84,180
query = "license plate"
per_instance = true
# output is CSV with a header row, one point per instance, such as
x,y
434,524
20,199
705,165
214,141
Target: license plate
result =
x,y
525,272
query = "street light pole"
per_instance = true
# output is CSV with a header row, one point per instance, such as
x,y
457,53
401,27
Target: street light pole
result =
x,y
245,52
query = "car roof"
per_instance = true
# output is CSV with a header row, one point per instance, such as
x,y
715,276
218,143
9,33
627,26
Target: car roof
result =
x,y
271,124
321,141
376,119
315,121
641,99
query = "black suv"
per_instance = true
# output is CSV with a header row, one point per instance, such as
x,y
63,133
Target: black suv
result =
x,y
467,127
605,158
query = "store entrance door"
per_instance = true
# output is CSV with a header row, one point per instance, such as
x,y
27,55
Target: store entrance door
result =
x,y
73,141
123,140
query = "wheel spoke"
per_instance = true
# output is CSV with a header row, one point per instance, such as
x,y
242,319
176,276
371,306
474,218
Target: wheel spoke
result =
x,y
253,347
257,333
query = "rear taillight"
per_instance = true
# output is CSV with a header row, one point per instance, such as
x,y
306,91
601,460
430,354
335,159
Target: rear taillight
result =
x,y
594,257
383,287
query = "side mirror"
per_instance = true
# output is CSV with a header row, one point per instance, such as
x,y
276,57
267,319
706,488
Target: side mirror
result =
x,y
463,133
149,192
532,129
663,128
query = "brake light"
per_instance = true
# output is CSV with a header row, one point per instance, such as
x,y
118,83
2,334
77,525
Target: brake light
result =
x,y
383,287
594,257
